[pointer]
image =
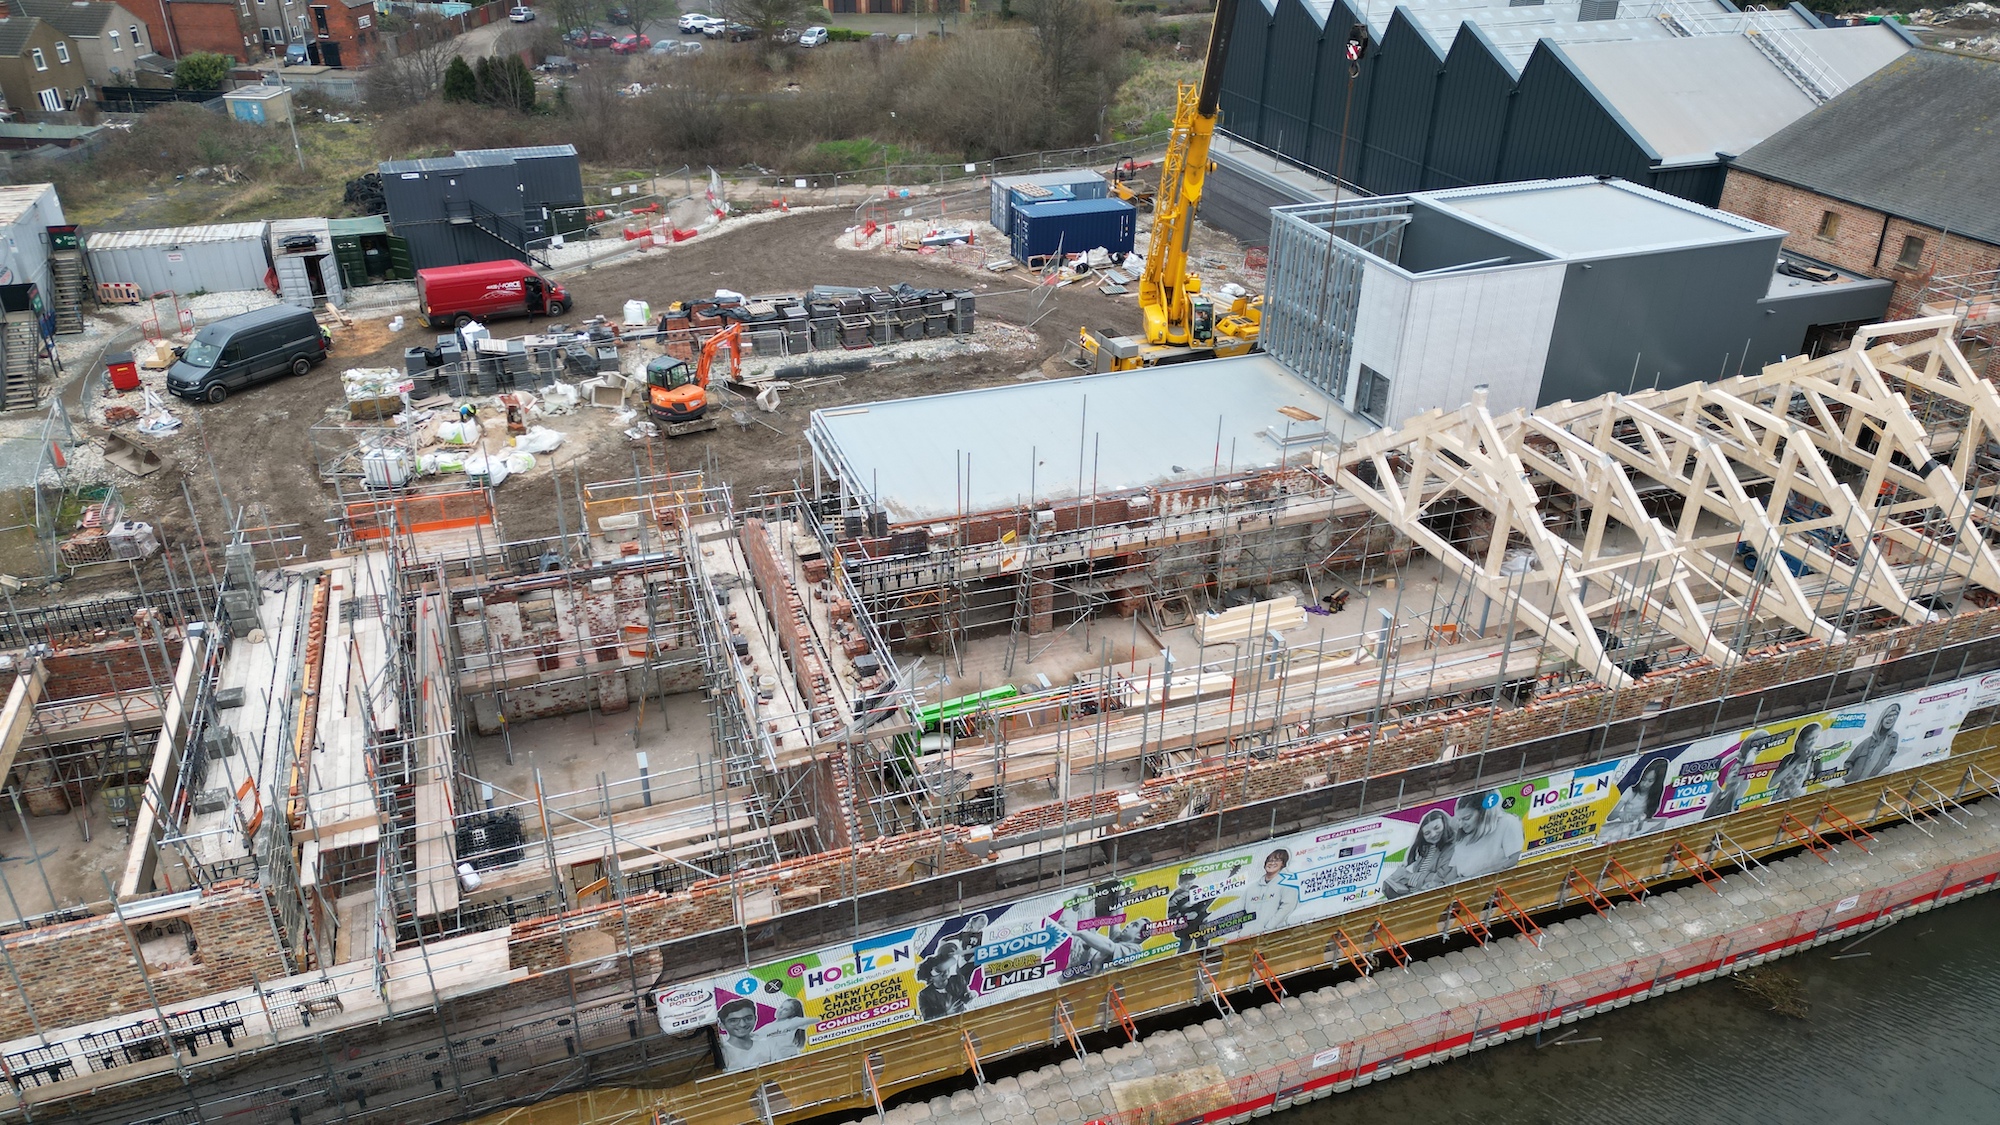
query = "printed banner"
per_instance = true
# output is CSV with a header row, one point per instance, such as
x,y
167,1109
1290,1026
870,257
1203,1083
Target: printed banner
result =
x,y
942,969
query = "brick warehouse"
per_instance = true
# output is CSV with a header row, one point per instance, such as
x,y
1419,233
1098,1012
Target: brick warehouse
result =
x,y
1896,178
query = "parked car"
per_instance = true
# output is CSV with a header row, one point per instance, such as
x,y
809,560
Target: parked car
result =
x,y
691,23
593,39
618,15
458,295
812,37
693,47
296,54
631,45
558,64
739,32
235,352
715,28
521,13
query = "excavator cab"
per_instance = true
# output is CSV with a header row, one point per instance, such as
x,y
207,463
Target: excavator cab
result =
x,y
673,391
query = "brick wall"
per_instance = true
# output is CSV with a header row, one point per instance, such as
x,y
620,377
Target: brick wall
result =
x,y
1866,242
893,861
85,970
118,667
198,25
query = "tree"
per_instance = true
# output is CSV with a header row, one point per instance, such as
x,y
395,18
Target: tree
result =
x,y
511,85
569,14
417,73
639,13
1077,41
459,83
202,70
769,17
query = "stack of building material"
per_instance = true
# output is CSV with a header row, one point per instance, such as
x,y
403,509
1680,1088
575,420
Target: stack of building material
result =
x,y
1248,621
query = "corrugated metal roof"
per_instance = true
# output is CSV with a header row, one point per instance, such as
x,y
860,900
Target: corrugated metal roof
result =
x,y
1689,99
476,158
17,199
173,236
1917,139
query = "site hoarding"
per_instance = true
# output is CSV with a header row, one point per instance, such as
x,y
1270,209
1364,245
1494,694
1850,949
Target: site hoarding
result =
x,y
941,969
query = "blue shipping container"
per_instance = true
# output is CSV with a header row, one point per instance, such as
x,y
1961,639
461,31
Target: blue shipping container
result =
x,y
1082,183
1073,227
1028,194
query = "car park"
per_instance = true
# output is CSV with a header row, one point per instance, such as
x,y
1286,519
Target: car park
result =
x,y
812,37
631,45
520,13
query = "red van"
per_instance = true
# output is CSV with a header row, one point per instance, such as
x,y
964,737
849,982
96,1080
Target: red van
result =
x,y
484,290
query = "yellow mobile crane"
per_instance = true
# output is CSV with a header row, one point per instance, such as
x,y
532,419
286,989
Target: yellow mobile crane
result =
x,y
1181,321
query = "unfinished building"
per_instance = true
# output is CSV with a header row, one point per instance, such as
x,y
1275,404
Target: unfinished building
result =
x,y
450,823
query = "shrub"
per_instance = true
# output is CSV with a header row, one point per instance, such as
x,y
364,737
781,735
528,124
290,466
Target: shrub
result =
x,y
203,70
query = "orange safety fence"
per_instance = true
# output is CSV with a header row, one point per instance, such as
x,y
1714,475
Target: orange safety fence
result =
x,y
414,515
1435,1037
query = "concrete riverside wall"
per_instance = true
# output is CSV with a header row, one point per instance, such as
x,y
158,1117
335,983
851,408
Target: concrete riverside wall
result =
x,y
1306,1047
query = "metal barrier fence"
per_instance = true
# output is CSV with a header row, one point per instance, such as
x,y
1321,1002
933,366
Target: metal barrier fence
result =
x,y
1472,1027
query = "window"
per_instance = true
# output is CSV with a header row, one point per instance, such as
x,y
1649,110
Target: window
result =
x,y
1912,254
62,52
114,40
319,19
138,44
41,60
1371,394
51,100
1829,225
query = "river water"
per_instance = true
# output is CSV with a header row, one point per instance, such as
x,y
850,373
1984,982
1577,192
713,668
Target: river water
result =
x,y
1908,1035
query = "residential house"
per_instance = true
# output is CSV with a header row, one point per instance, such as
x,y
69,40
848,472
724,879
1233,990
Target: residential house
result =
x,y
336,32
177,28
1898,178
41,69
106,36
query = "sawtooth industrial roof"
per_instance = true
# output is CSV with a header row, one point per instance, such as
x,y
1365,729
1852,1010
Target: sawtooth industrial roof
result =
x,y
1919,139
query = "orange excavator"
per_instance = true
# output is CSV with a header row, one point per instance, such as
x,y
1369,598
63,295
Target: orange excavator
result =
x,y
678,397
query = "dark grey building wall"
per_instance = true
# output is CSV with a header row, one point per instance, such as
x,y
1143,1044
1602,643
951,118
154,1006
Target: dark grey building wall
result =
x,y
1784,323
522,192
1237,199
1679,316
1426,115
1560,128
1473,104
1435,240
1402,96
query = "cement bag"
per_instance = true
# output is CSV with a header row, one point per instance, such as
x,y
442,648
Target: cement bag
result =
x,y
459,433
493,470
538,439
519,462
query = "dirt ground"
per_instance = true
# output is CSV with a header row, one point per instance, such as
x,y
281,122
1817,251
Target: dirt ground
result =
x,y
259,446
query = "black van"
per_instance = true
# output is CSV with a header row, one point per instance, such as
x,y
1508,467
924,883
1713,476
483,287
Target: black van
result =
x,y
237,351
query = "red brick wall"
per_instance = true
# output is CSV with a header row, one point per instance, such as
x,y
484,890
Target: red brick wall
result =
x,y
83,971
1867,242
358,45
199,25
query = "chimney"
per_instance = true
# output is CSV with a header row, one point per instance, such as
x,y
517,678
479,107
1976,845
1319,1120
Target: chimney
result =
x,y
5,10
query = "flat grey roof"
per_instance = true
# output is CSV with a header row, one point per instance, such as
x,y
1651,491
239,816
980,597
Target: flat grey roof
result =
x,y
938,456
1579,218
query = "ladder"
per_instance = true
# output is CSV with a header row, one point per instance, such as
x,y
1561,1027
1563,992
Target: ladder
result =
x,y
20,361
66,270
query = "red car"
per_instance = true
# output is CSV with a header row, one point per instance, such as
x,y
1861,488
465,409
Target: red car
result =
x,y
631,45
591,39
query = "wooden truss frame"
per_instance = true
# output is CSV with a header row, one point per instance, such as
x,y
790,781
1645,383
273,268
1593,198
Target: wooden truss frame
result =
x,y
1824,467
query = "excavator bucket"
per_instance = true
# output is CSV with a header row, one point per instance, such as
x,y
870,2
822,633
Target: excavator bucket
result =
x,y
134,459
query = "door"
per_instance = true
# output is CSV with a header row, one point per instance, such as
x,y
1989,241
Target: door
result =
x,y
329,54
353,262
233,370
315,276
400,265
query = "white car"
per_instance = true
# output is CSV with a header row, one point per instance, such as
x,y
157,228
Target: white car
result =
x,y
812,37
709,25
692,22
521,13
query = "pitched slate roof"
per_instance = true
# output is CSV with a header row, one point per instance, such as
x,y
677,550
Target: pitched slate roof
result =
x,y
80,20
14,33
1919,139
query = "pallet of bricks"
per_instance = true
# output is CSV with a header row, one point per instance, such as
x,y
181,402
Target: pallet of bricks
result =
x,y
825,318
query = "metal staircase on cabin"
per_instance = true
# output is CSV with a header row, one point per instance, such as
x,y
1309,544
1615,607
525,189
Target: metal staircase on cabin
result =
x,y
470,213
20,361
66,270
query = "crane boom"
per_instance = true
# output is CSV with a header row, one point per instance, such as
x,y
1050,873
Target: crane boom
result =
x,y
1165,286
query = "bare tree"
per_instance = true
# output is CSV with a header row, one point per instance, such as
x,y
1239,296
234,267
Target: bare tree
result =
x,y
569,14
639,13
1077,41
416,74
769,17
